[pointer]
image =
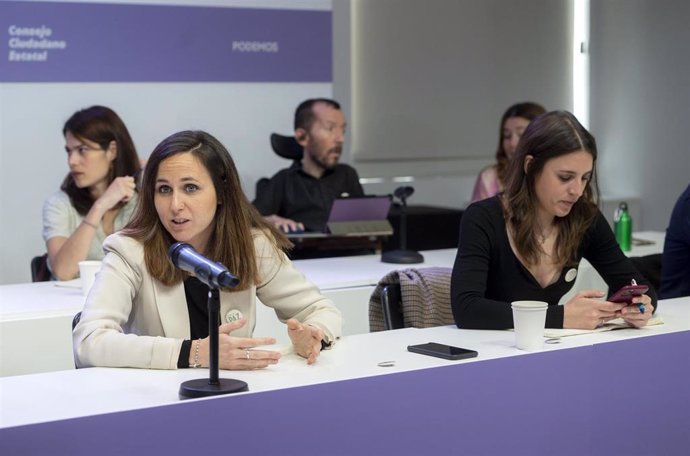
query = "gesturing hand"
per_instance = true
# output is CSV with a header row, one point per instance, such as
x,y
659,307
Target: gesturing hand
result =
x,y
306,339
239,353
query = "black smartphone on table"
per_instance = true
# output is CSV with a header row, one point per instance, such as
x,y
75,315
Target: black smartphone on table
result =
x,y
442,351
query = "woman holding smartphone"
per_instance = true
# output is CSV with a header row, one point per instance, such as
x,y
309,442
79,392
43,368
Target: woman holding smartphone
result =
x,y
527,242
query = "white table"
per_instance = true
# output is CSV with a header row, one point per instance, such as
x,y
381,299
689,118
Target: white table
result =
x,y
355,356
35,318
347,378
36,326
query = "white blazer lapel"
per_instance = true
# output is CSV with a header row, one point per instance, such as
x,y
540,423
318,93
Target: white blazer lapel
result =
x,y
172,309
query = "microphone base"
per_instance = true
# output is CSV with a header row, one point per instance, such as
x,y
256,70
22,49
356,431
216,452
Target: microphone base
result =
x,y
203,387
402,257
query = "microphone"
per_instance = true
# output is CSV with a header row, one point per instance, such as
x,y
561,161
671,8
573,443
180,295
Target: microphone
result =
x,y
403,193
215,275
402,255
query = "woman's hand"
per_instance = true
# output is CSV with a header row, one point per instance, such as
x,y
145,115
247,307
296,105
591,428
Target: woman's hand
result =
x,y
632,314
306,339
120,189
237,353
586,310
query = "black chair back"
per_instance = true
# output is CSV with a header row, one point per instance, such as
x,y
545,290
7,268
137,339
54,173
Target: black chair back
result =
x,y
39,268
75,320
286,146
391,303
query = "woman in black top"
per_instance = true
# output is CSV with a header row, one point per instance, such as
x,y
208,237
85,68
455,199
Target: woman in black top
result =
x,y
527,243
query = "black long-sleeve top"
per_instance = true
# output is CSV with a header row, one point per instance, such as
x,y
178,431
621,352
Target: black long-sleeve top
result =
x,y
487,276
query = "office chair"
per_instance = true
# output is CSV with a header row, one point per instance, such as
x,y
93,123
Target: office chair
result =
x,y
391,306
286,146
76,319
39,268
283,146
262,185
650,267
414,297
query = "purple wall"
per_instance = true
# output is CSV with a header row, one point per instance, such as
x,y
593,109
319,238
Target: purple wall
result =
x,y
84,42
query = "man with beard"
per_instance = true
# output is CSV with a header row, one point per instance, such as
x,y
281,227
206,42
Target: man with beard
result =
x,y
300,197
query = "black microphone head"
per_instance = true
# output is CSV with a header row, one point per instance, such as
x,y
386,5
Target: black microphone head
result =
x,y
174,251
228,280
403,192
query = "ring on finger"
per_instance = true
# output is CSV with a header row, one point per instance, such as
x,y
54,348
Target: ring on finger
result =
x,y
246,353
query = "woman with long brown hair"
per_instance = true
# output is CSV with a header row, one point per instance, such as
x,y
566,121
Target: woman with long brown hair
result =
x,y
98,195
526,243
144,312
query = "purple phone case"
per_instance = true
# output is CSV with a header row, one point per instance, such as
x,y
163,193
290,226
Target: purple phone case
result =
x,y
626,293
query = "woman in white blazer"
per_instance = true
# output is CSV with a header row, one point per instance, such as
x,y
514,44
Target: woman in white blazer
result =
x,y
143,312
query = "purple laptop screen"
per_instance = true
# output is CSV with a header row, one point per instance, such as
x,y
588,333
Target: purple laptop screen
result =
x,y
358,209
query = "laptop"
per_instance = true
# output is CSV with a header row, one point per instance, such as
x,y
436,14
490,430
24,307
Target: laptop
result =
x,y
367,216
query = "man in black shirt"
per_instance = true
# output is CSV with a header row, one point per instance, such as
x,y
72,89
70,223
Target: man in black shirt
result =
x,y
300,197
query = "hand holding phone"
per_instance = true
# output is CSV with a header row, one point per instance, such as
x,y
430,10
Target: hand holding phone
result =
x,y
442,351
626,293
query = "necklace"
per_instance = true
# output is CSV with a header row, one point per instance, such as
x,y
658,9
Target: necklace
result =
x,y
542,236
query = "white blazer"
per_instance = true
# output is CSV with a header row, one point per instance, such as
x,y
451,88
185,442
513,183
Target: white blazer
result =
x,y
130,319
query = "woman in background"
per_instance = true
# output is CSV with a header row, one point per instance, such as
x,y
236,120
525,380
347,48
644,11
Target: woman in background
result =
x,y
98,195
527,243
143,312
491,179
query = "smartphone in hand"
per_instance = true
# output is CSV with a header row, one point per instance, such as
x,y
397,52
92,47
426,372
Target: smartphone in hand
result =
x,y
442,351
627,292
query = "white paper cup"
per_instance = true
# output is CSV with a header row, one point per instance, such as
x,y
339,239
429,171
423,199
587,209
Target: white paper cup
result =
x,y
87,273
529,318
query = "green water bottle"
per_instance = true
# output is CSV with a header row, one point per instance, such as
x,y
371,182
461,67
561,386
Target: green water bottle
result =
x,y
623,227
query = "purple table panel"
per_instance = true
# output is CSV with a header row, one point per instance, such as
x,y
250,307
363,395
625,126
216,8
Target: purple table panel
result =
x,y
97,42
536,404
628,397
642,396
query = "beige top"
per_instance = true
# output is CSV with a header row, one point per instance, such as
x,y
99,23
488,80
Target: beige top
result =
x,y
130,319
60,218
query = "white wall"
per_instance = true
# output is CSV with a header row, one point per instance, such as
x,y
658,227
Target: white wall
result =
x,y
431,80
639,105
32,158
640,102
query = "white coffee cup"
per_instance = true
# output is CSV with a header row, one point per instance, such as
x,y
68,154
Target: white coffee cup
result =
x,y
87,273
529,318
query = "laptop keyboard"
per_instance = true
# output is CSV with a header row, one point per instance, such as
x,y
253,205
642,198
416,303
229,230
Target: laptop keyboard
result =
x,y
378,227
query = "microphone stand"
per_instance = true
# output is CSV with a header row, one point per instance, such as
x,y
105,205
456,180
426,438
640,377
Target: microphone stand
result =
x,y
402,255
214,386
